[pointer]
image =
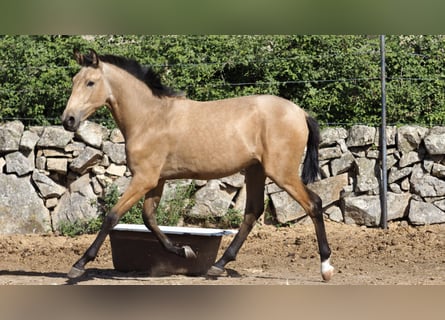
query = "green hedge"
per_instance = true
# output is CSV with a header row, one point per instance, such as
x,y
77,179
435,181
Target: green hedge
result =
x,y
336,78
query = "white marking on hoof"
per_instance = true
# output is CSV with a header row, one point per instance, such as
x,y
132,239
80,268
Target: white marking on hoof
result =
x,y
327,271
75,273
215,271
189,254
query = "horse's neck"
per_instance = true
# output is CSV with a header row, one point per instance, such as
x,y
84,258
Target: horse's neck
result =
x,y
131,102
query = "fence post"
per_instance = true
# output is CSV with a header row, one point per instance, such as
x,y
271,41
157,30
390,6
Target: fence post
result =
x,y
384,172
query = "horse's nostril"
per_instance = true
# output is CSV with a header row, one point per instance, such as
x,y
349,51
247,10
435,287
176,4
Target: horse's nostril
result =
x,y
69,123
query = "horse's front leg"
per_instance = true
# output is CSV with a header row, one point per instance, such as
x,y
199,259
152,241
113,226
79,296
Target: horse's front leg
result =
x,y
134,192
151,202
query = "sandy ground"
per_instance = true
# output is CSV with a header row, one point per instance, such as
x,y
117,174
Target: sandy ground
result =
x,y
279,256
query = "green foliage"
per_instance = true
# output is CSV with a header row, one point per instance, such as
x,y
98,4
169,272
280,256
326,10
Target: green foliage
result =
x,y
78,227
336,78
171,211
35,77
134,215
232,219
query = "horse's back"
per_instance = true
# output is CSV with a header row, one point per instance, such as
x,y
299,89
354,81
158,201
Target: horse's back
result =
x,y
269,107
267,116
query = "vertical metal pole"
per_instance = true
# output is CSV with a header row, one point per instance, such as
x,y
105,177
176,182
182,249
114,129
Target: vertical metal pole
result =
x,y
384,172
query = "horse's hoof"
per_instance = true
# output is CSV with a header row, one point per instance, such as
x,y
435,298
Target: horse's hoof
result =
x,y
327,271
215,271
188,252
75,273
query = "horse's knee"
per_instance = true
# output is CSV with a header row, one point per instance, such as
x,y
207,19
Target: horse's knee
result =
x,y
110,220
255,208
249,220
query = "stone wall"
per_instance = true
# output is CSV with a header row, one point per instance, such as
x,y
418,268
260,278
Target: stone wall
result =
x,y
49,176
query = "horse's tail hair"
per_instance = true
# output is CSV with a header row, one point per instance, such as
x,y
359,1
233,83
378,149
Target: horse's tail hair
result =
x,y
311,168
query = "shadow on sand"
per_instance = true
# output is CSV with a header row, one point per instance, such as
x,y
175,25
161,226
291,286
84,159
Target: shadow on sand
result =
x,y
94,273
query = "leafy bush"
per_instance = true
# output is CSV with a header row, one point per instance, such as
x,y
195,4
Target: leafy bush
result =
x,y
171,211
334,77
134,215
232,219
78,227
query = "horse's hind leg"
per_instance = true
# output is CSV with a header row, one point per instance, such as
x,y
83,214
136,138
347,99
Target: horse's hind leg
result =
x,y
311,203
255,179
150,204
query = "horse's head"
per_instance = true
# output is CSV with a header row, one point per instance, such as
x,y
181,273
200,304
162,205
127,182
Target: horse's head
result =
x,y
89,91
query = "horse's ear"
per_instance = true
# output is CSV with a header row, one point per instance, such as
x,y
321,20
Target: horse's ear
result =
x,y
94,58
78,56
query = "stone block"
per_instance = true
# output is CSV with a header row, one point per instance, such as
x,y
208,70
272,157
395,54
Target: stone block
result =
x,y
410,137
360,135
366,178
116,170
331,136
22,210
58,165
86,159
17,163
91,133
10,136
115,152
28,141
422,213
55,137
212,200
46,186
366,210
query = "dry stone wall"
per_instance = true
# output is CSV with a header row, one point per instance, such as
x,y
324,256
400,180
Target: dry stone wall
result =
x,y
49,176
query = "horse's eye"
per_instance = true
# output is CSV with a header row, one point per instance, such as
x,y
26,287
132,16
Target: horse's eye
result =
x,y
90,83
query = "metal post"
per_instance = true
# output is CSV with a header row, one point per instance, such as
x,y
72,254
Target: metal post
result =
x,y
384,172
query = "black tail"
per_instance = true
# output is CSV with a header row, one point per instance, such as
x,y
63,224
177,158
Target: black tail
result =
x,y
311,169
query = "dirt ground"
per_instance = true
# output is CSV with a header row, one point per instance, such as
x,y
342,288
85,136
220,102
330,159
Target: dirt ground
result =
x,y
280,256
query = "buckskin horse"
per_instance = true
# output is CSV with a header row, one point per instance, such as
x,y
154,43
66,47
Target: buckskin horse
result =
x,y
168,136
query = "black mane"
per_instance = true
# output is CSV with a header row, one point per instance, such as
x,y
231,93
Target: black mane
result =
x,y
145,74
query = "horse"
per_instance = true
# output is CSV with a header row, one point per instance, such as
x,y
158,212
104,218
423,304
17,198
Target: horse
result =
x,y
168,136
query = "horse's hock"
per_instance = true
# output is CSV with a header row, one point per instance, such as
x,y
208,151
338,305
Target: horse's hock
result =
x,y
49,176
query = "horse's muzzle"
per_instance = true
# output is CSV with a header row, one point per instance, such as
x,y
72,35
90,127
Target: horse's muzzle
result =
x,y
70,123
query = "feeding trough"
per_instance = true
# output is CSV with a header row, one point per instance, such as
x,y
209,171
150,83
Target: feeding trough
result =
x,y
135,248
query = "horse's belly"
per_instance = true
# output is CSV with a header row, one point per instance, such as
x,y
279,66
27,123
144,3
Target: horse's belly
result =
x,y
205,168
